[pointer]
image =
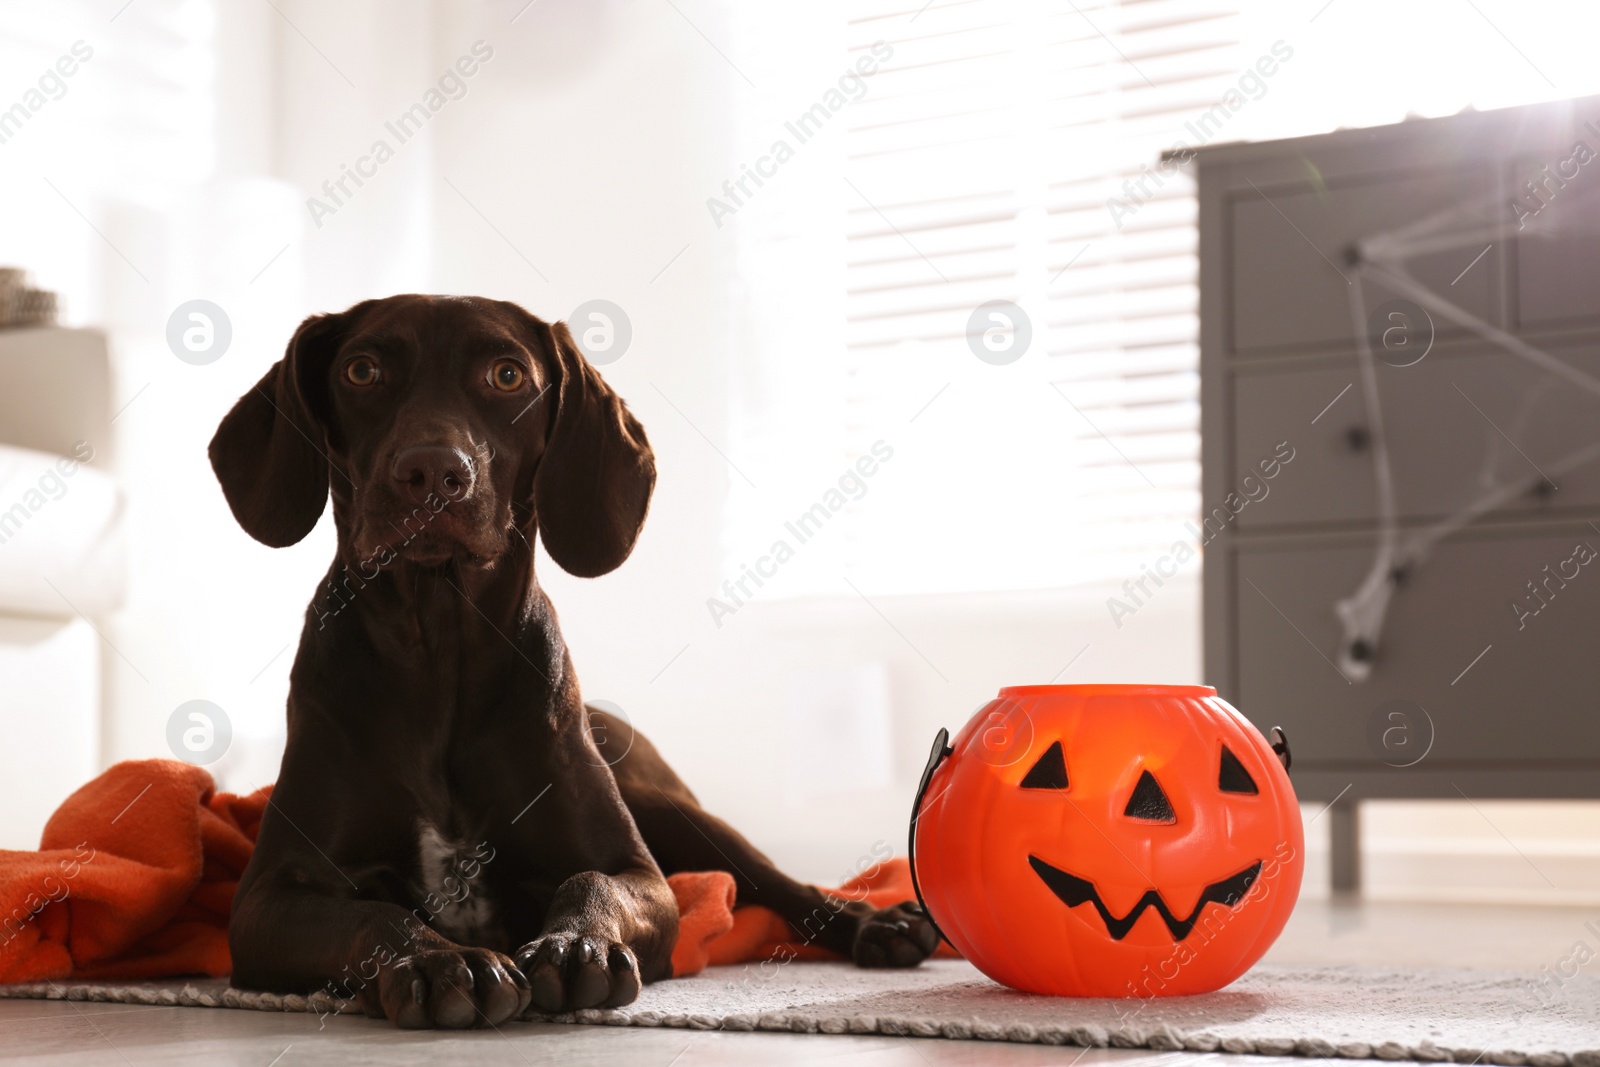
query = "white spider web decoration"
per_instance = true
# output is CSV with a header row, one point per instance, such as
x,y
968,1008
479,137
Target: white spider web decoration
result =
x,y
1381,258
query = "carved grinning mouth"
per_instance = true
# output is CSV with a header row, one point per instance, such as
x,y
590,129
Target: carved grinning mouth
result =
x,y
1074,891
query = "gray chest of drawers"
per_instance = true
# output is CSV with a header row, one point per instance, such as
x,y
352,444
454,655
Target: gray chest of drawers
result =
x,y
1415,595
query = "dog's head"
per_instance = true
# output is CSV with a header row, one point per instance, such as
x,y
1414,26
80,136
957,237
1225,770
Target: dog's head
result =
x,y
443,426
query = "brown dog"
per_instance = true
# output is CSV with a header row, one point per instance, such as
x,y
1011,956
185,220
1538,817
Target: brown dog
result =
x,y
445,842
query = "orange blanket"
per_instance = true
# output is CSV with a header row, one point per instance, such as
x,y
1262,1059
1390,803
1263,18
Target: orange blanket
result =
x,y
136,872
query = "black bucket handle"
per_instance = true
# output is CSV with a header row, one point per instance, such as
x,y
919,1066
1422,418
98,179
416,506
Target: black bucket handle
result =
x,y
941,749
1280,747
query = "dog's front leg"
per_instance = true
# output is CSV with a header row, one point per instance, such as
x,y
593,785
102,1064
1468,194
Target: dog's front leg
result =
x,y
603,937
287,938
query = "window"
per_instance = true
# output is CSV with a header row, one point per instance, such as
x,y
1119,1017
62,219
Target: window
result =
x,y
107,115
1009,150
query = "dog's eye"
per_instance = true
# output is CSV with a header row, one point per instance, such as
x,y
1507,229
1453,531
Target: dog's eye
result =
x,y
506,375
361,371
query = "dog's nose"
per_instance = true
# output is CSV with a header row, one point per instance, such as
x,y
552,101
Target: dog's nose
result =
x,y
434,469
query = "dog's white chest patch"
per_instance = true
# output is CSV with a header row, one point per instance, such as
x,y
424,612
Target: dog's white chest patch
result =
x,y
453,897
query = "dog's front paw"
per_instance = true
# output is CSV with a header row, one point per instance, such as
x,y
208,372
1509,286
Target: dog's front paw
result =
x,y
572,971
452,988
901,936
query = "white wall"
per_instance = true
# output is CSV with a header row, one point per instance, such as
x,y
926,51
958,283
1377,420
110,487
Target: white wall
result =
x,y
597,166
576,166
210,611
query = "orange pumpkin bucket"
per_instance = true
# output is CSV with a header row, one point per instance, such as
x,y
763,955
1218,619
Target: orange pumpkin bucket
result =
x,y
1108,840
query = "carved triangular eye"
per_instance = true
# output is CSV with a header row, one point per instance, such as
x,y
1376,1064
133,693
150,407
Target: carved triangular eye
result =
x,y
1149,802
1050,772
1233,778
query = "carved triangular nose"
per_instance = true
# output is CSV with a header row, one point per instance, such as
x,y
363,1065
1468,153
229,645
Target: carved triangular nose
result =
x,y
1148,802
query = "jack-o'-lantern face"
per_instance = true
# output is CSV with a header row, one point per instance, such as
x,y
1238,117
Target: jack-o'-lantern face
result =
x,y
1110,841
1148,807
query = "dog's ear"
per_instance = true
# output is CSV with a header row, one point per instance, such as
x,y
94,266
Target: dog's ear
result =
x,y
270,452
594,481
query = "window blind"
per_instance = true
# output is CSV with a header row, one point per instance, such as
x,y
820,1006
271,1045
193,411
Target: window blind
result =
x,y
986,160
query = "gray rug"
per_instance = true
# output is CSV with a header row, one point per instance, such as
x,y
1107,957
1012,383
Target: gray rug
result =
x,y
1464,1016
